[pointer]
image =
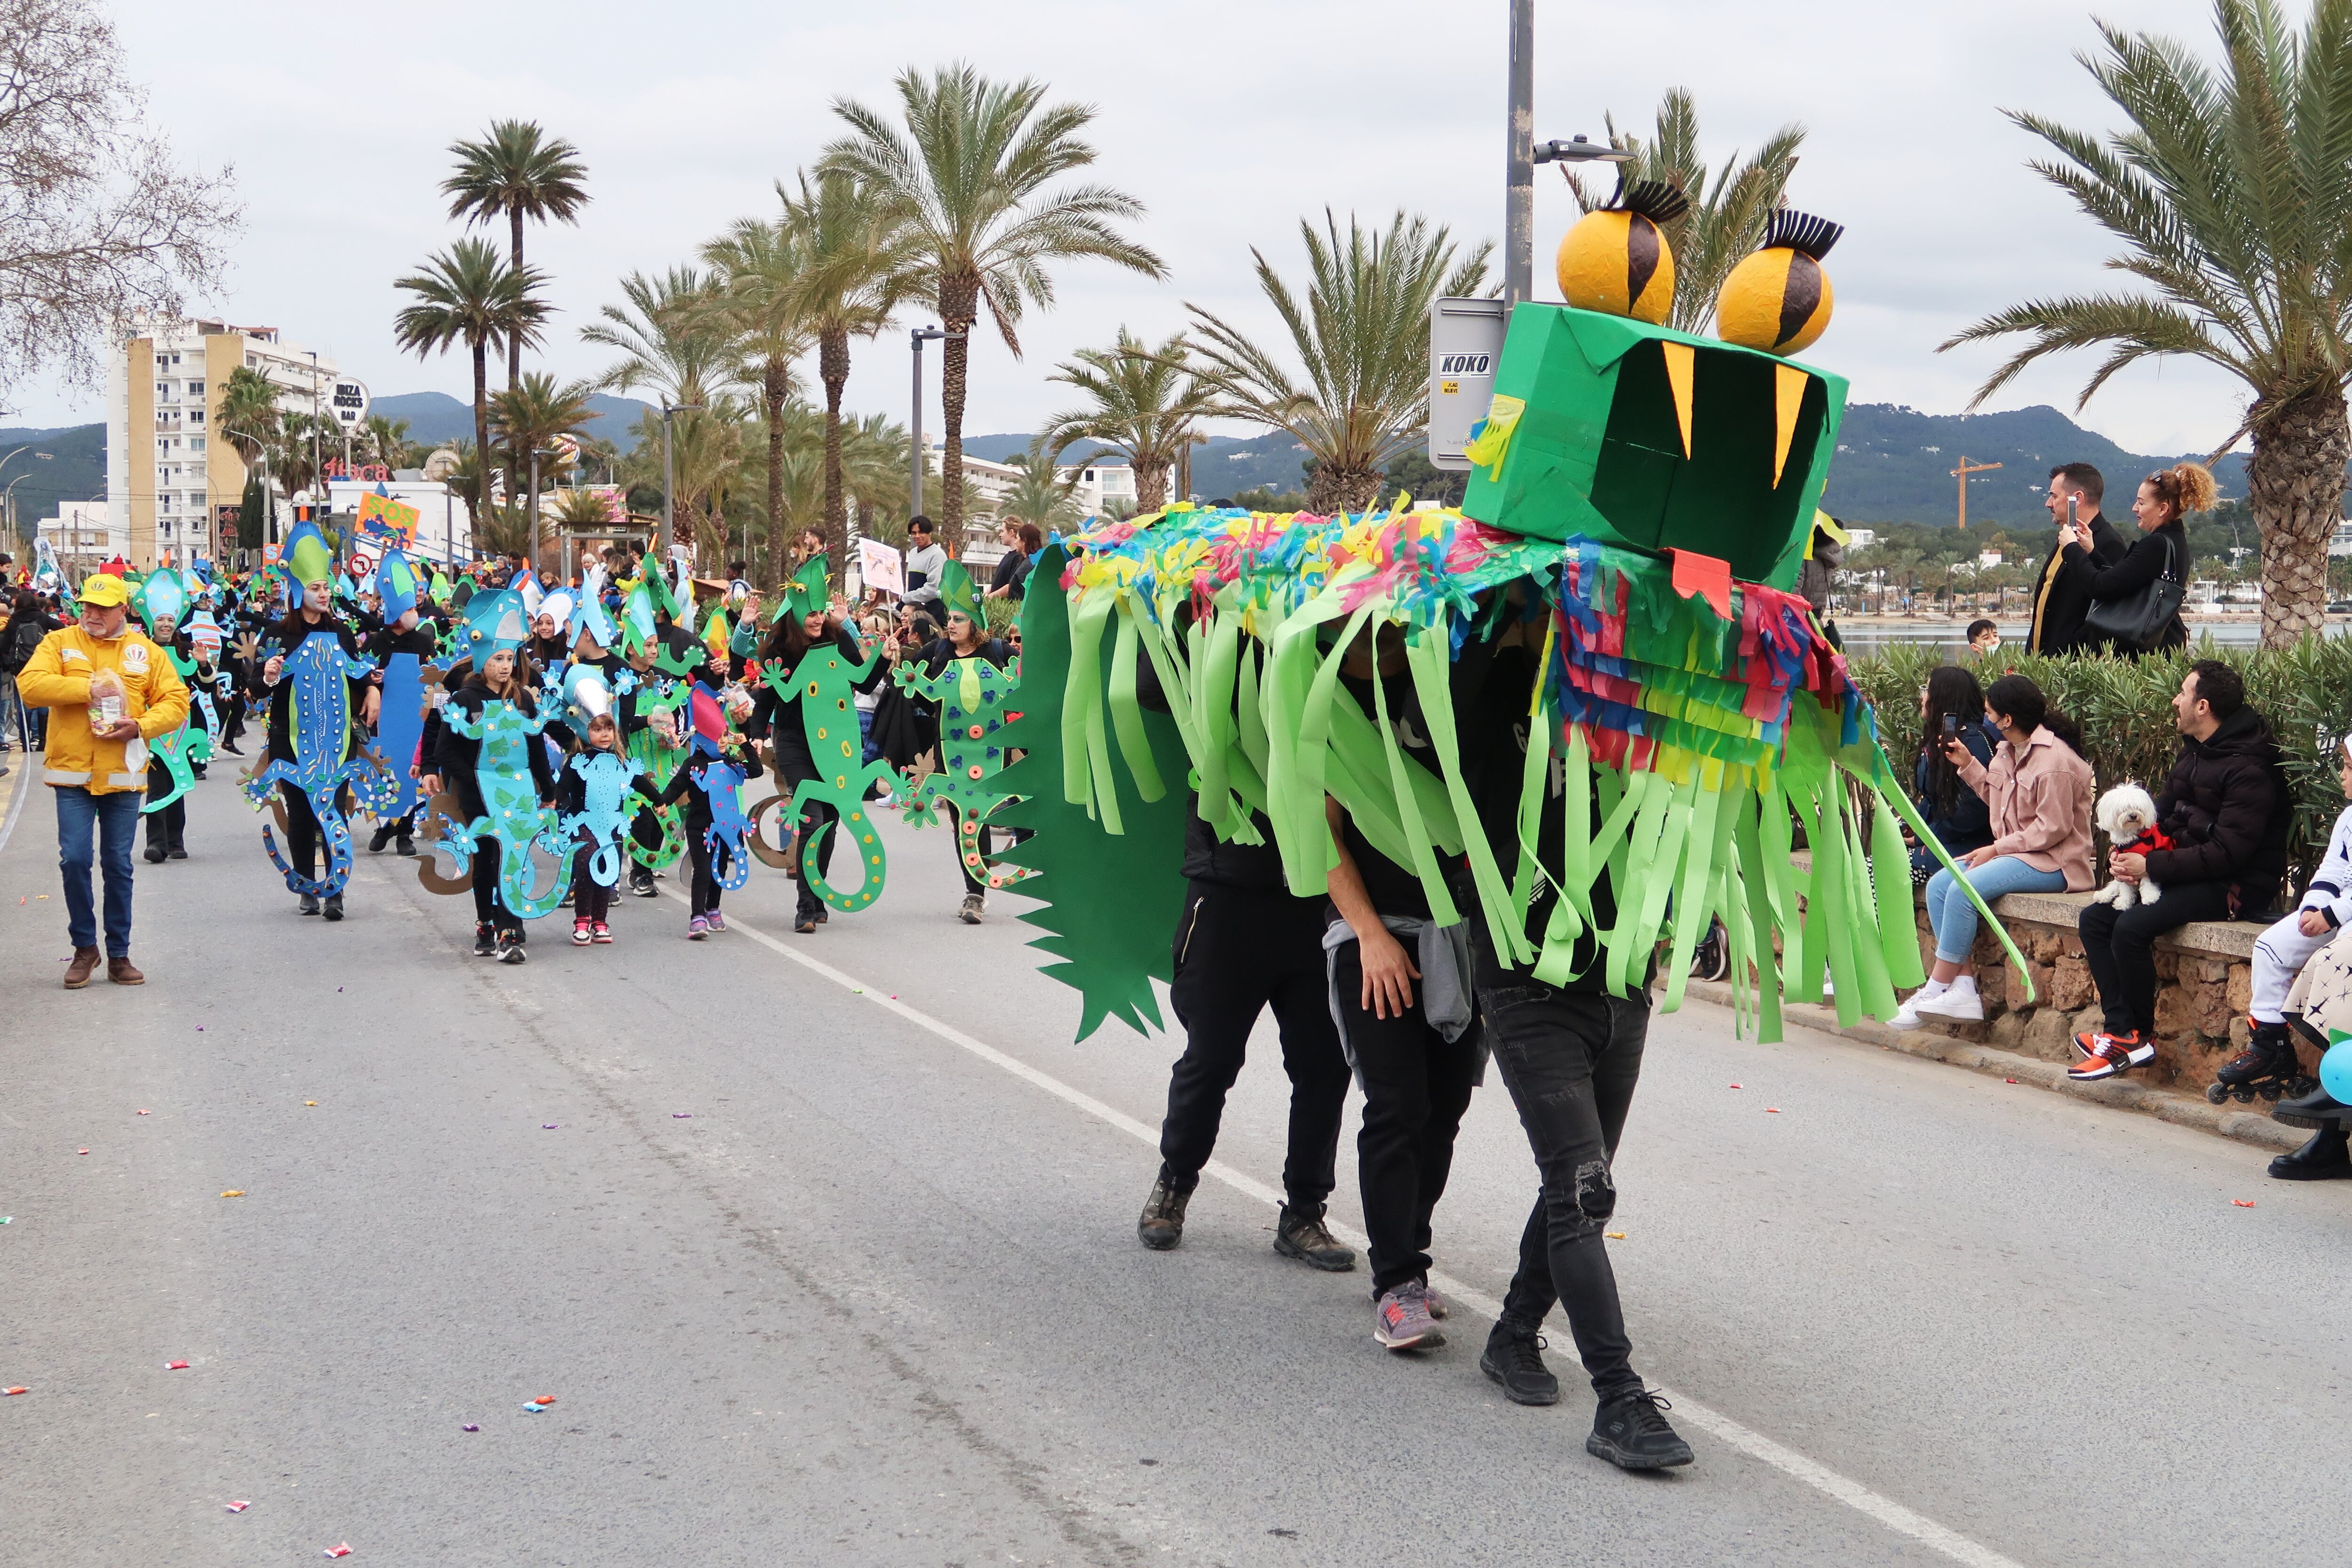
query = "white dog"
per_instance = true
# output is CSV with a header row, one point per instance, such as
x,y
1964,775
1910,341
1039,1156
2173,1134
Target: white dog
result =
x,y
2128,817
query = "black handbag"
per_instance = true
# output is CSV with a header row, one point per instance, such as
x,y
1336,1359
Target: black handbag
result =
x,y
2137,622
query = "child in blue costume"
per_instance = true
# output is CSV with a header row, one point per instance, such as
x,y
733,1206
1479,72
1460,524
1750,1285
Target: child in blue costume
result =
x,y
711,784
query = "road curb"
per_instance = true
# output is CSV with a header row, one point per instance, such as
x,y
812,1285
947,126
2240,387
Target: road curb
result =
x,y
2242,1123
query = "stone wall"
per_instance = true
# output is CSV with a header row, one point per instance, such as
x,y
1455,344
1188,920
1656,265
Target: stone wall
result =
x,y
2204,980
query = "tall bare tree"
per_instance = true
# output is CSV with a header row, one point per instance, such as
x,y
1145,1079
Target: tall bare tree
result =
x,y
98,225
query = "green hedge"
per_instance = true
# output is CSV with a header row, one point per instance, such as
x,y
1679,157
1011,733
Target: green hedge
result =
x,y
2125,709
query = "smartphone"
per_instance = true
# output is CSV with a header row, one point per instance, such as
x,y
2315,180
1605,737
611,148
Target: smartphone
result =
x,y
1952,726
2071,501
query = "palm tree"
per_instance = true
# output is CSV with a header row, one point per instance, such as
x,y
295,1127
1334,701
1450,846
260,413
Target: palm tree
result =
x,y
530,418
758,308
466,294
516,172
1362,336
388,440
1727,217
1145,403
707,457
246,417
665,337
857,269
2232,197
876,457
1040,495
966,183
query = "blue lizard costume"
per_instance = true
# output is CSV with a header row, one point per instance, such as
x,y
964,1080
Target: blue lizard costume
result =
x,y
493,762
315,695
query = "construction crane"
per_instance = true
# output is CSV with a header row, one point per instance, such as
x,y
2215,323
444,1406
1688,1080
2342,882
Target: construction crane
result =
x,y
1961,474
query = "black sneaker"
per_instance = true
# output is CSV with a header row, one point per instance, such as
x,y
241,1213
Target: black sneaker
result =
x,y
485,939
641,883
308,904
1630,1431
1301,1235
1162,1224
176,853
509,949
404,844
155,852
379,838
1514,1358
333,908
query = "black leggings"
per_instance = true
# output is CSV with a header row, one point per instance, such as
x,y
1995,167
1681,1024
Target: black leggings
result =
x,y
707,868
591,900
303,833
167,827
794,767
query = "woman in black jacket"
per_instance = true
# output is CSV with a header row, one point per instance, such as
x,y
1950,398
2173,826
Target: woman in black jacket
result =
x,y
2165,497
1951,708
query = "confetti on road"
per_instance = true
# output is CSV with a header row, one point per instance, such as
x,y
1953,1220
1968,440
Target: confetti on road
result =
x,y
2242,1203
232,1193
310,1102
681,1115
469,1426
339,1550
547,1127
237,1507
544,1400
176,1366
20,1388
1614,1235
2008,1080
6,1218
1739,1085
143,1113
81,1151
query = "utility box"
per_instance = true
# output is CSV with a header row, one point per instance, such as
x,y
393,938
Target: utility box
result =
x,y
1466,344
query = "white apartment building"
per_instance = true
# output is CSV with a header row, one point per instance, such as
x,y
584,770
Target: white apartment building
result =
x,y
83,536
987,484
167,480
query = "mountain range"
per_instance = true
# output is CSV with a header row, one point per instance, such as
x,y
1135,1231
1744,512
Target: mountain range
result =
x,y
1893,464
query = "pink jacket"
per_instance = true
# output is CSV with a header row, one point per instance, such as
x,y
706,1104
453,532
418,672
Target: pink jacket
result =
x,y
2041,806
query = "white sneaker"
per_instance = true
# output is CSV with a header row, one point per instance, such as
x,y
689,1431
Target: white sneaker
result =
x,y
1964,1005
1906,1018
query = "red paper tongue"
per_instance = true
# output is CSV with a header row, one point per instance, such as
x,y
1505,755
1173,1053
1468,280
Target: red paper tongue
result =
x,y
1702,576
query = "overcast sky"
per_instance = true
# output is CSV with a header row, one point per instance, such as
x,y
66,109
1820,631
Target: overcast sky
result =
x,y
1229,121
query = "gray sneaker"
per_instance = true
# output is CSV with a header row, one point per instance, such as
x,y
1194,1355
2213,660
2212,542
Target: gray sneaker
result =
x,y
973,910
1400,1319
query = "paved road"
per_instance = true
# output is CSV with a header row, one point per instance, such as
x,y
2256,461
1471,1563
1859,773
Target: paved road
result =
x,y
818,1276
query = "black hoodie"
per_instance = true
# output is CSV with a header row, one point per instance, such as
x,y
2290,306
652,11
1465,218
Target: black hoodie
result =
x,y
2226,808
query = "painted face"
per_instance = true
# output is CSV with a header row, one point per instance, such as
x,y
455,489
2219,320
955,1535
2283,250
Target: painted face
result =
x,y
958,625
315,597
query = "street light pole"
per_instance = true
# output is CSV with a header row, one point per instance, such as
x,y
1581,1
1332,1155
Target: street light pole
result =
x,y
1522,155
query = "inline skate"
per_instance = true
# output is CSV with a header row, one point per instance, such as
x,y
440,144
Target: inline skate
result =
x,y
2267,1067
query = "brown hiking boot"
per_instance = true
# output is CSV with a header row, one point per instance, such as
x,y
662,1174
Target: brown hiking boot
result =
x,y
119,970
1161,1225
85,958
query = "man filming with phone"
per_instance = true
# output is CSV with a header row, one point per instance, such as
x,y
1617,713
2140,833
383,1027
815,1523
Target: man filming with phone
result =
x,y
2062,594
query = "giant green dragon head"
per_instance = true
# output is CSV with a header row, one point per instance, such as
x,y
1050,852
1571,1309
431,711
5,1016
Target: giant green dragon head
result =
x,y
1636,435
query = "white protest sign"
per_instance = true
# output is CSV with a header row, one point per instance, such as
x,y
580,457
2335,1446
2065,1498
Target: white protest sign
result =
x,y
880,567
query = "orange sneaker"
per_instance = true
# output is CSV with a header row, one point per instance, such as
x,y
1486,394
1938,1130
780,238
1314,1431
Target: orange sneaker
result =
x,y
2106,1054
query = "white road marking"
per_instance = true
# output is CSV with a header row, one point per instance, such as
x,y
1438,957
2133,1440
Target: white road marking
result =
x,y
1723,1428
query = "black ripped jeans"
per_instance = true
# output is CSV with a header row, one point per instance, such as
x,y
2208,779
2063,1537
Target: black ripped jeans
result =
x,y
1571,1061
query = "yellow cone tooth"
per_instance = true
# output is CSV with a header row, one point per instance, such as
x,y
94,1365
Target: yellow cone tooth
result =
x,y
1787,396
1682,364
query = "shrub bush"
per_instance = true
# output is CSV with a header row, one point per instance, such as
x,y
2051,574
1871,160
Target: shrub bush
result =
x,y
2125,707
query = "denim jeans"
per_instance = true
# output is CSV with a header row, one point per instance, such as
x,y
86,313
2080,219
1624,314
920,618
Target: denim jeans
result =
x,y
1954,919
865,733
1571,1061
112,820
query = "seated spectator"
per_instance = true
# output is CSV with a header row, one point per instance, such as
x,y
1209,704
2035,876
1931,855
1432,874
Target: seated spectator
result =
x,y
2038,791
1951,706
2224,806
2281,955
1984,639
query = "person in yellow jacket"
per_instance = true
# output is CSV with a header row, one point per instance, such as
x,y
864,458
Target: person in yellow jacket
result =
x,y
109,691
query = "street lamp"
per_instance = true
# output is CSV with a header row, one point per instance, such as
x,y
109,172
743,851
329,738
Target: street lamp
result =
x,y
1519,176
7,498
919,337
661,550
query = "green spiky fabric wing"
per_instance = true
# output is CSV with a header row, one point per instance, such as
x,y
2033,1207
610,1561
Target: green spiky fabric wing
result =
x,y
1112,899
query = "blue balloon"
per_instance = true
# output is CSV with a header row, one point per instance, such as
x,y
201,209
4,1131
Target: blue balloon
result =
x,y
2336,1071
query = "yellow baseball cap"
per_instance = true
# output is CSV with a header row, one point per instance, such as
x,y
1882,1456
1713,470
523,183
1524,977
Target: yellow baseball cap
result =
x,y
105,590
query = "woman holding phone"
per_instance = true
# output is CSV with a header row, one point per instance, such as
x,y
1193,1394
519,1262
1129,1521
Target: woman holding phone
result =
x,y
2038,791
1951,707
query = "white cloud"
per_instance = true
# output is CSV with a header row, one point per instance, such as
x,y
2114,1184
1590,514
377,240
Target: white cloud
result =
x,y
1231,120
